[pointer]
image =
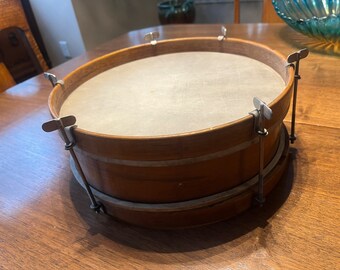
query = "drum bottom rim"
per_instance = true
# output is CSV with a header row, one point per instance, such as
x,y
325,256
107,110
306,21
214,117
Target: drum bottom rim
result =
x,y
246,191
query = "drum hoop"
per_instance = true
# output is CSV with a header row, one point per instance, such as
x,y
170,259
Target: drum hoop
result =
x,y
78,130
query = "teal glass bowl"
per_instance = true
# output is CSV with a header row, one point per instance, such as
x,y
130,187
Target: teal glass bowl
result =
x,y
315,18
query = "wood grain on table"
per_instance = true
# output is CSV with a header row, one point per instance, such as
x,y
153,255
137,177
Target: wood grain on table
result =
x,y
45,222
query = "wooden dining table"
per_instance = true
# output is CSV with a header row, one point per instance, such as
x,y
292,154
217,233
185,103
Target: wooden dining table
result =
x,y
46,222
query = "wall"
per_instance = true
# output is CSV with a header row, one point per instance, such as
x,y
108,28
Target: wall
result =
x,y
84,24
101,20
57,21
222,11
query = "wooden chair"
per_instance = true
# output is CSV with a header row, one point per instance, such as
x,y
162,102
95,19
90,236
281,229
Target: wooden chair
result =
x,y
268,13
6,79
20,56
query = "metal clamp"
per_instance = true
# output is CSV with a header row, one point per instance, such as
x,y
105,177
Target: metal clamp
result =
x,y
295,57
53,79
261,113
151,37
65,125
224,33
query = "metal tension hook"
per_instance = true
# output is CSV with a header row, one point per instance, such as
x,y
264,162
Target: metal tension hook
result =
x,y
224,33
53,79
261,113
151,37
295,57
62,124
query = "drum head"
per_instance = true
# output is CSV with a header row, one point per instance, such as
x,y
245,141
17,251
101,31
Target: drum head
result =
x,y
172,93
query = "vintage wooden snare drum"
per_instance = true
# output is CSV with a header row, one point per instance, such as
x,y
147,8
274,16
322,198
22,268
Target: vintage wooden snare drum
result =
x,y
164,135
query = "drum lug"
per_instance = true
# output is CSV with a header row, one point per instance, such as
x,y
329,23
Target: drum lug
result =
x,y
53,79
261,112
224,33
295,57
65,125
152,37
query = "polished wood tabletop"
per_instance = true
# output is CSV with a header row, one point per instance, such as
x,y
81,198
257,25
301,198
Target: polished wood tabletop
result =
x,y
46,223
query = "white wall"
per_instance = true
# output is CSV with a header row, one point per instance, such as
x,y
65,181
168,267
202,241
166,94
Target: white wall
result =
x,y
57,21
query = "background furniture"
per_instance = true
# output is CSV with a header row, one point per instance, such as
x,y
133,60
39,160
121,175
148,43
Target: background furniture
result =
x,y
46,223
19,51
6,79
268,12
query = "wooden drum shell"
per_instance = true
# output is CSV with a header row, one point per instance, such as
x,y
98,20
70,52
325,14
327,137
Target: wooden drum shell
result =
x,y
177,180
181,167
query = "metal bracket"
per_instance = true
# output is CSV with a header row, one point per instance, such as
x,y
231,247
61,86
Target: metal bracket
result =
x,y
65,125
53,79
224,33
261,113
151,37
295,57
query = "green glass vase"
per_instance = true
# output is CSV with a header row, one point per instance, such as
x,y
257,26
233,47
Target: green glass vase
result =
x,y
176,11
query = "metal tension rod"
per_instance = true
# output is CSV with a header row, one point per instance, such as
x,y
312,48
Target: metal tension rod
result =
x,y
53,79
261,113
152,37
295,57
61,124
223,35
